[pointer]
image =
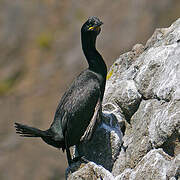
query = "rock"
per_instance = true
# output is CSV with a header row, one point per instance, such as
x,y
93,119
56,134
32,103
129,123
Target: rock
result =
x,y
124,175
121,90
91,171
125,96
143,97
155,165
136,139
156,122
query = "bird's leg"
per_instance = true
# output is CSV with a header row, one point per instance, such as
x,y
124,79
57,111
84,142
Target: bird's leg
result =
x,y
84,159
79,157
68,154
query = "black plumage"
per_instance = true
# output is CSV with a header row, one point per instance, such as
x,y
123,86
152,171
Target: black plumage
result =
x,y
76,113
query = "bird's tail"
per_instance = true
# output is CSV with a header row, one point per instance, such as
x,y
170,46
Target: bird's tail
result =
x,y
26,131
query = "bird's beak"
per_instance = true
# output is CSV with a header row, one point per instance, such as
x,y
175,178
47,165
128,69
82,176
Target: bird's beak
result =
x,y
95,27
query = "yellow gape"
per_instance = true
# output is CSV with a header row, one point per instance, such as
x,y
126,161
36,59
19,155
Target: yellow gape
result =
x,y
94,28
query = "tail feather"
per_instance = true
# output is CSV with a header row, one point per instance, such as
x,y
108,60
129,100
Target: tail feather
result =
x,y
26,131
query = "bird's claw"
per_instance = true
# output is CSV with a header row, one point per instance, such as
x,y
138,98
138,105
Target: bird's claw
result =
x,y
79,158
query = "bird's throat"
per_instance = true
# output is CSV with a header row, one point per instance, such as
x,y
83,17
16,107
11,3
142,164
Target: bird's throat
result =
x,y
95,60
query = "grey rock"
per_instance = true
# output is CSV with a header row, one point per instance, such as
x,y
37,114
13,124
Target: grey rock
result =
x,y
121,90
124,175
124,95
154,165
156,122
136,139
174,168
91,171
159,74
164,125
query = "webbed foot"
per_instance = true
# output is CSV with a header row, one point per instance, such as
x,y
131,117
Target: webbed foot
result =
x,y
80,158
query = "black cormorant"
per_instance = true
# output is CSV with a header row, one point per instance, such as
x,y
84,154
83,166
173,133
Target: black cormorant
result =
x,y
76,113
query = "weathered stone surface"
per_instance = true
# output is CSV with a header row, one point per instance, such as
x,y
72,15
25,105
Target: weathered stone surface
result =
x,y
156,122
143,93
155,165
91,171
125,95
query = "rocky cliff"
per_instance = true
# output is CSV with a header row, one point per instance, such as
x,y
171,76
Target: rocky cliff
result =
x,y
139,136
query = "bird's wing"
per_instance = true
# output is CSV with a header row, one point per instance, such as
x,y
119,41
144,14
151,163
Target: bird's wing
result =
x,y
77,111
82,110
82,102
90,129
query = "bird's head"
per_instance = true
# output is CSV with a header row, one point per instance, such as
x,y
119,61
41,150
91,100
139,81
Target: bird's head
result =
x,y
92,26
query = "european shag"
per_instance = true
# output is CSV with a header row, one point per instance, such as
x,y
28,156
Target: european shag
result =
x,y
78,108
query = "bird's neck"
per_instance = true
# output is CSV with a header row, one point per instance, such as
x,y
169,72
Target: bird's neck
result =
x,y
95,60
